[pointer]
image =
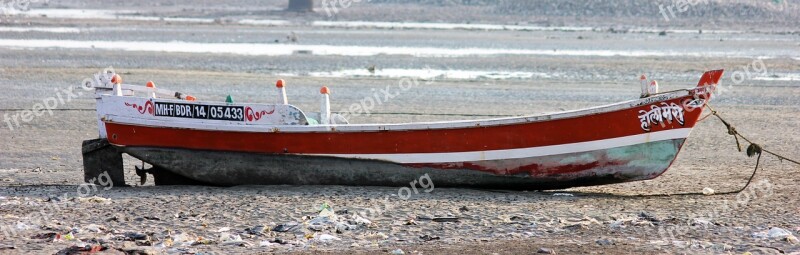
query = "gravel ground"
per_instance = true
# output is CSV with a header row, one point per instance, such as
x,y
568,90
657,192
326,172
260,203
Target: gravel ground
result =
x,y
45,209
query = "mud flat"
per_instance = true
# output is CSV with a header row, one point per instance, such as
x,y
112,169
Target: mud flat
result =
x,y
45,209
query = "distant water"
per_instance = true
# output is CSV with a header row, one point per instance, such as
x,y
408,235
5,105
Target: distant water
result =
x,y
277,49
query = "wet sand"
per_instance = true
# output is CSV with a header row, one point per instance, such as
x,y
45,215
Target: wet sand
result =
x,y
41,168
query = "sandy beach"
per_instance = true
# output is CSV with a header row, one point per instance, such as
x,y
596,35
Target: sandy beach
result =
x,y
476,60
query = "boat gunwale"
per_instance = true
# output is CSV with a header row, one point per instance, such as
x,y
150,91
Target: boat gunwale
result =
x,y
377,127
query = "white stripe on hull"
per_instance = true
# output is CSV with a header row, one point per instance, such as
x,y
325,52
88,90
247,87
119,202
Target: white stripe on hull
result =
x,y
470,156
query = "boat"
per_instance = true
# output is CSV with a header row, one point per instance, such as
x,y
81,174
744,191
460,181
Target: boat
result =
x,y
190,141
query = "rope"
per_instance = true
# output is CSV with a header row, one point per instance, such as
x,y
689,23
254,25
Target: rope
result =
x,y
755,147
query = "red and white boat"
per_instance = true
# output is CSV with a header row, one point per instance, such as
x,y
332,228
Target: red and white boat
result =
x,y
223,143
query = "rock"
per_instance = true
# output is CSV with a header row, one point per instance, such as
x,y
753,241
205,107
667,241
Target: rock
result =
x,y
258,230
398,252
285,227
429,238
604,242
721,247
778,233
546,251
228,237
82,249
700,222
326,238
708,191
133,236
358,220
617,224
648,217
95,228
143,243
341,227
463,209
183,239
377,236
680,244
563,195
137,251
579,226
317,227
48,236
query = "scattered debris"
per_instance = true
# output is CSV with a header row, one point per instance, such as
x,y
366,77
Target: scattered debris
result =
x,y
182,239
326,238
94,199
701,222
546,251
377,236
258,230
133,236
604,242
778,233
445,219
81,249
285,227
792,239
429,238
648,217
358,220
48,236
232,239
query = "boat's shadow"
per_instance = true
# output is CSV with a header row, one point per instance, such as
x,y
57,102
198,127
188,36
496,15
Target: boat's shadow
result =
x,y
409,193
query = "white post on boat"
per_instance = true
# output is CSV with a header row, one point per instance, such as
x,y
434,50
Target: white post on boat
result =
x,y
643,80
117,81
282,99
653,89
152,86
325,107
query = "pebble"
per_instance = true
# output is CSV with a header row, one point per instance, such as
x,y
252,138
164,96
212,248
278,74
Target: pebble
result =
x,y
285,227
546,251
326,238
604,242
778,233
398,252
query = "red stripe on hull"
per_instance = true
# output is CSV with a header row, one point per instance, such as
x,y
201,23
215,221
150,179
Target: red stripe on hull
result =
x,y
525,135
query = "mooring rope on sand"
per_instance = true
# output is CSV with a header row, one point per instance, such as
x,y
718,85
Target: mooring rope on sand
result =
x,y
752,150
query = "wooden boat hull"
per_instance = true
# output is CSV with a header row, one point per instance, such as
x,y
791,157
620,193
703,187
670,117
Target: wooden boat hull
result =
x,y
624,164
627,141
